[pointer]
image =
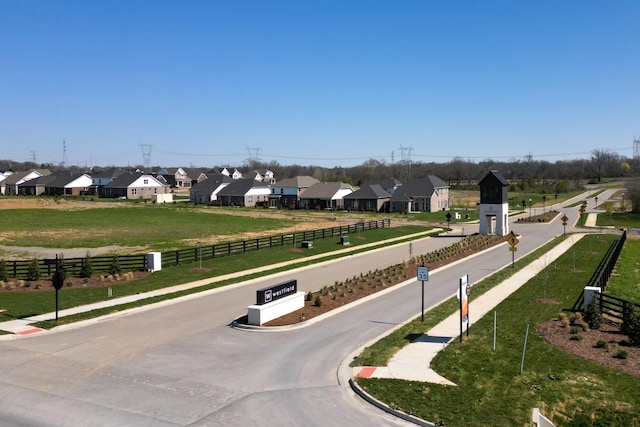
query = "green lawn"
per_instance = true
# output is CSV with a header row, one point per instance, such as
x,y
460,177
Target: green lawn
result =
x,y
492,392
625,281
619,220
157,227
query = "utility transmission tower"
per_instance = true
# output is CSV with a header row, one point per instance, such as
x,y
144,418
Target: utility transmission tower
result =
x,y
254,152
405,154
636,148
64,161
146,155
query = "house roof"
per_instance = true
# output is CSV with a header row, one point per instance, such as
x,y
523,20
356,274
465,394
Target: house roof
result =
x,y
19,176
324,190
423,187
108,173
211,183
494,176
369,191
386,183
296,182
126,179
240,187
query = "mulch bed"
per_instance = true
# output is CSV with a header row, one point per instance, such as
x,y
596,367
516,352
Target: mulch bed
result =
x,y
558,335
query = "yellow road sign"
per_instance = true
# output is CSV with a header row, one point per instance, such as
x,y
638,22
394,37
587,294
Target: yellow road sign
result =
x,y
512,240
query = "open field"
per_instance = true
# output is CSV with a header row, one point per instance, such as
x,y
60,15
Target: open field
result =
x,y
569,389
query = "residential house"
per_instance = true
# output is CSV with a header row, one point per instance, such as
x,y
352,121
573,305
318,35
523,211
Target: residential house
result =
x,y
175,177
428,194
244,192
57,184
369,198
103,177
196,175
206,192
136,185
325,195
286,193
9,185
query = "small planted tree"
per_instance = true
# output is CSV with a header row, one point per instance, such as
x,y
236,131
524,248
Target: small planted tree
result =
x,y
115,268
4,275
631,324
33,273
593,316
318,301
86,270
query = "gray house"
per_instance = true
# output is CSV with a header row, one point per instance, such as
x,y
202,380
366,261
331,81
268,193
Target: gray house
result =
x,y
428,194
244,192
325,195
369,198
286,193
206,192
136,185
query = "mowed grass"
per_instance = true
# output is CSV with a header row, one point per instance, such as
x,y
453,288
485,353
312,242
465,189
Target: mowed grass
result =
x,y
491,390
154,227
625,281
26,304
619,220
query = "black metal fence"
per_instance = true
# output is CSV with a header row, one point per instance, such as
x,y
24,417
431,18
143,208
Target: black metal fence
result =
x,y
601,275
20,269
614,307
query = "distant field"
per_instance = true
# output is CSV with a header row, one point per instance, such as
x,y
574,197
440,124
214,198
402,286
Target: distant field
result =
x,y
149,226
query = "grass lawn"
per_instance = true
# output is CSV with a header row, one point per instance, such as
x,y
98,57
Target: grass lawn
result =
x,y
619,220
625,281
492,392
156,227
25,304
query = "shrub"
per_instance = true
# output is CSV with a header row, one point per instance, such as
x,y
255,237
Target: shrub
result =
x,y
622,354
309,296
4,276
86,270
33,273
602,344
593,316
576,337
318,301
631,325
115,268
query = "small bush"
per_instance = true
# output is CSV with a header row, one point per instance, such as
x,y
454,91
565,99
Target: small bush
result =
x,y
622,354
576,337
33,273
4,276
69,284
631,325
115,268
602,344
593,316
318,301
309,296
86,270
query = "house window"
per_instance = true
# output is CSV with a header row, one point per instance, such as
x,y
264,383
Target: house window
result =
x,y
282,191
146,181
250,199
134,191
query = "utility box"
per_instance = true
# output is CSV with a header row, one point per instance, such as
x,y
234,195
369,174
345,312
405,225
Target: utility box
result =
x,y
344,240
154,261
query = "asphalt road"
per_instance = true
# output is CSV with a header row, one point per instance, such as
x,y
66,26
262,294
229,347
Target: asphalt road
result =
x,y
182,364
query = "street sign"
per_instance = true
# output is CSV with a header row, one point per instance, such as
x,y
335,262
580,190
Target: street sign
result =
x,y
513,240
564,219
423,273
513,249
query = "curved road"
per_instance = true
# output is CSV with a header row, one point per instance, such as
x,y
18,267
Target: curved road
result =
x,y
181,364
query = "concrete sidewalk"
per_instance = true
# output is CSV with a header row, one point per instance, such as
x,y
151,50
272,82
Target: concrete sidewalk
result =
x,y
23,326
413,362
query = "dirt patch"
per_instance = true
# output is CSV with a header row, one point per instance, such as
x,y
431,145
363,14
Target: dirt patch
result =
x,y
96,281
557,334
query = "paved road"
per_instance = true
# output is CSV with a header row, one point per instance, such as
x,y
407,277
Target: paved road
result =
x,y
181,364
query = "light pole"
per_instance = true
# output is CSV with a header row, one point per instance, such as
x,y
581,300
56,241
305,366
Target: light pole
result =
x,y
544,203
529,208
622,202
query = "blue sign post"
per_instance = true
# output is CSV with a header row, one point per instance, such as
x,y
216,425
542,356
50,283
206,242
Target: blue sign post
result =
x,y
423,276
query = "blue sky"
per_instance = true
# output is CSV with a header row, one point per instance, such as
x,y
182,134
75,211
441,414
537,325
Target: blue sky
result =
x,y
327,83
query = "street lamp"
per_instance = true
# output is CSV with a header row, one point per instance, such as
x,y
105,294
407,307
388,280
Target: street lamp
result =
x,y
544,203
529,208
622,202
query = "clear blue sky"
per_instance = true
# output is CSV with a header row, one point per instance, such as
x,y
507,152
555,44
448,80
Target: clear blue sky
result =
x,y
328,83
